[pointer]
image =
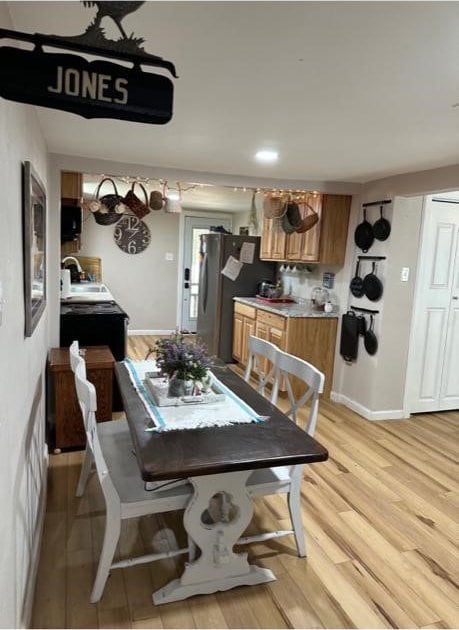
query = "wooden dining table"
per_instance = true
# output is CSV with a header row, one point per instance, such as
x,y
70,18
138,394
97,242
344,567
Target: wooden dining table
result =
x,y
217,461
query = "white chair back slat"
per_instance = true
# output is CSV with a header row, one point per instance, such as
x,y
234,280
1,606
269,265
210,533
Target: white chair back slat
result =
x,y
86,393
289,365
75,357
261,353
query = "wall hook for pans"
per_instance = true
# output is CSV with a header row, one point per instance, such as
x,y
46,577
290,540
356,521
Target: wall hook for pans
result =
x,y
381,228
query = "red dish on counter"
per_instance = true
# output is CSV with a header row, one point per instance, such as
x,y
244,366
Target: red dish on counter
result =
x,y
271,300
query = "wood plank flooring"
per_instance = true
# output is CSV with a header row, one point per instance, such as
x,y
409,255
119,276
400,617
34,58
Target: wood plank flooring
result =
x,y
381,522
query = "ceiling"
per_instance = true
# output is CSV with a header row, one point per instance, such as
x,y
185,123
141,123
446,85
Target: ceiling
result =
x,y
344,91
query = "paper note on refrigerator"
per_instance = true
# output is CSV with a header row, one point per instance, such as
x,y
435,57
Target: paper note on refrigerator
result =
x,y
247,253
232,268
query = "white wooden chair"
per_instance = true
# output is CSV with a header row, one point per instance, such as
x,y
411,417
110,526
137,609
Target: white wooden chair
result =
x,y
122,486
287,479
262,354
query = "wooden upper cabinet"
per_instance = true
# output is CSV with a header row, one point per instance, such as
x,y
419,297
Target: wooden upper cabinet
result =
x,y
324,243
273,240
333,232
71,188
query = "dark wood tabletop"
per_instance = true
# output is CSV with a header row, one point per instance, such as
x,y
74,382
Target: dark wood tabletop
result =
x,y
166,455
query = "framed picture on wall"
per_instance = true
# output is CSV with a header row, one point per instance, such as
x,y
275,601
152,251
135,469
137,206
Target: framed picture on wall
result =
x,y
34,244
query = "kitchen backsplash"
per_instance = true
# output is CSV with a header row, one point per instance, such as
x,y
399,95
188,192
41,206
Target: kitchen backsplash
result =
x,y
299,282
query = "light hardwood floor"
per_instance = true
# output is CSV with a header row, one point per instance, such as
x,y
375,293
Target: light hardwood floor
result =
x,y
381,523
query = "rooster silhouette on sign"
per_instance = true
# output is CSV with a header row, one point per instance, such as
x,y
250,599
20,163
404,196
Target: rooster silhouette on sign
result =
x,y
116,10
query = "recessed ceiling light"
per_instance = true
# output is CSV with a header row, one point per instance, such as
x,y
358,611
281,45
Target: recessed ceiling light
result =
x,y
266,156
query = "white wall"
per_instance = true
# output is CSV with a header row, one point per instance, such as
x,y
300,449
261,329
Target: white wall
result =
x,y
374,386
22,373
144,284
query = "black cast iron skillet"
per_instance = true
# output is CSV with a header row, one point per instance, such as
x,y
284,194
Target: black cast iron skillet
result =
x,y
370,340
356,285
363,235
362,325
381,228
372,285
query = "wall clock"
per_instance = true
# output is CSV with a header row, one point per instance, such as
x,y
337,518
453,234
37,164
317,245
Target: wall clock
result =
x,y
131,234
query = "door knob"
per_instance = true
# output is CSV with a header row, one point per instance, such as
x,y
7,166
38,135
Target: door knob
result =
x,y
455,297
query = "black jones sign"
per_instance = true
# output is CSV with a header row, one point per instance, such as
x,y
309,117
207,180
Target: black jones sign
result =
x,y
92,89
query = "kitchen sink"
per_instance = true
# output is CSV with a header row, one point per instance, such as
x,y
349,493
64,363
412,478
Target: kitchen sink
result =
x,y
88,292
90,287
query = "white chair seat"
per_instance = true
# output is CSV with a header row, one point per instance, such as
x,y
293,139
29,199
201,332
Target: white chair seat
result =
x,y
269,481
117,449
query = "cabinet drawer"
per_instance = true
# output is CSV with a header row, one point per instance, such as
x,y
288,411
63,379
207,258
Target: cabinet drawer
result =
x,y
277,321
243,309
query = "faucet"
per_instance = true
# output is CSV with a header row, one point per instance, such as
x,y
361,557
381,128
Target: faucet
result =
x,y
78,266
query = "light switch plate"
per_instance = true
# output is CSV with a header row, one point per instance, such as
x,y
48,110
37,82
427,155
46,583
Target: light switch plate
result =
x,y
169,256
405,274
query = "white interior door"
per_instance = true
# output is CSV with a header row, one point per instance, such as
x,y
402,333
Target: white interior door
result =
x,y
434,369
193,228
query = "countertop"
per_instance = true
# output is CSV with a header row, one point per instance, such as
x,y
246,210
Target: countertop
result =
x,y
291,309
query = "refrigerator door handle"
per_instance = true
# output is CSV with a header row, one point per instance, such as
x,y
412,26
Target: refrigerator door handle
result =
x,y
204,283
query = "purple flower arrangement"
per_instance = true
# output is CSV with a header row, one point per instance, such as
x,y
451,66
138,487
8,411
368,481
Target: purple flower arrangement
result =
x,y
181,359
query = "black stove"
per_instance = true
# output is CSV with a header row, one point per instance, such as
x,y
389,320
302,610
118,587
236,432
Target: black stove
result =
x,y
95,324
92,308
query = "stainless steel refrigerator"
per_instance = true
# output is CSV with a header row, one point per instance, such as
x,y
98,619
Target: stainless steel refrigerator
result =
x,y
216,291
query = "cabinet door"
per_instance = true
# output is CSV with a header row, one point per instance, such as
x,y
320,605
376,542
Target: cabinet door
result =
x,y
277,337
71,186
334,228
305,246
237,336
247,330
272,240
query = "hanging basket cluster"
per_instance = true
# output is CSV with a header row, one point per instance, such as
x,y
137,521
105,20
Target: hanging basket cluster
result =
x,y
108,209
294,217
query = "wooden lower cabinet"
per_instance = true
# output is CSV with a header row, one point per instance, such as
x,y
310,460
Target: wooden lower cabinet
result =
x,y
64,409
243,327
310,338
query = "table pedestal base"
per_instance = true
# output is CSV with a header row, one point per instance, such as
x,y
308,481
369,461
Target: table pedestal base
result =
x,y
215,518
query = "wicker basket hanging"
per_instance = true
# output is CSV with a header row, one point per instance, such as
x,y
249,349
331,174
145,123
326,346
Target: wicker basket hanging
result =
x,y
139,208
274,206
107,209
309,221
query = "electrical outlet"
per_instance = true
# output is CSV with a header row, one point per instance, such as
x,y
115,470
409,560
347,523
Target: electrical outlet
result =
x,y
169,256
405,274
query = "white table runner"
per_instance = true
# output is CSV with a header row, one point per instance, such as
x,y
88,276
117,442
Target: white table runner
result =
x,y
232,410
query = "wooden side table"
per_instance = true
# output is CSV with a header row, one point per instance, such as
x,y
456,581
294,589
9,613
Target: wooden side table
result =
x,y
64,409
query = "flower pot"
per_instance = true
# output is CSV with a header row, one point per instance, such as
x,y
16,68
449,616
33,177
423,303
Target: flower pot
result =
x,y
180,387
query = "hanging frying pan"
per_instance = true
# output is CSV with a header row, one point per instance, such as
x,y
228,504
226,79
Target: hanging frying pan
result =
x,y
362,325
381,228
363,235
370,340
372,285
356,285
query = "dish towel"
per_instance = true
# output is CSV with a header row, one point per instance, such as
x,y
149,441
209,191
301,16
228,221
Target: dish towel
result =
x,y
232,410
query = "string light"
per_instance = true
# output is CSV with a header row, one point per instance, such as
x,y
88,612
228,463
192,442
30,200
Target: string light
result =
x,y
296,195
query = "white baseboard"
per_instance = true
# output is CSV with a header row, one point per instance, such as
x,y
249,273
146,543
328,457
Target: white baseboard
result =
x,y
150,332
386,414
